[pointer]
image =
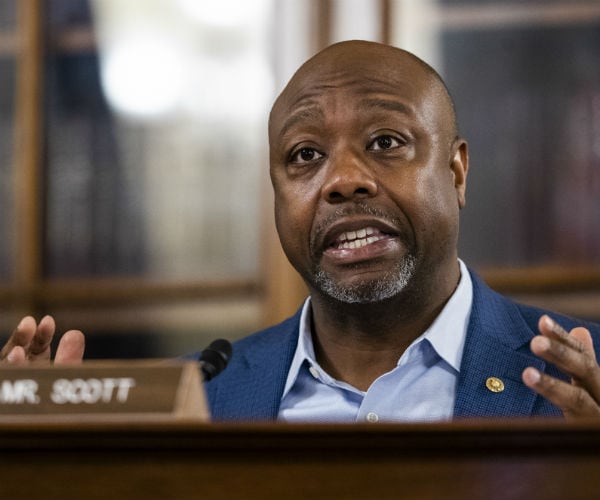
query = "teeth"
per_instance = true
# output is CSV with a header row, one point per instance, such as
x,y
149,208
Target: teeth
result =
x,y
353,235
361,241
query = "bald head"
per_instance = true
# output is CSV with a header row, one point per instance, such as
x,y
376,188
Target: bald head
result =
x,y
373,63
363,142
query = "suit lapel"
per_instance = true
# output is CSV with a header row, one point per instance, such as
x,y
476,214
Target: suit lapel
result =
x,y
496,346
252,386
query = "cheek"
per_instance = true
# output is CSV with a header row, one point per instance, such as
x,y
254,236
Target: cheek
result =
x,y
441,211
434,203
294,217
295,200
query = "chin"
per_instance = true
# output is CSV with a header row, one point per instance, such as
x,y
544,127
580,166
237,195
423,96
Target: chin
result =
x,y
368,291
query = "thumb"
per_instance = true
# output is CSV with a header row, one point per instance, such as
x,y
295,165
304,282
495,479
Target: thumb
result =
x,y
70,348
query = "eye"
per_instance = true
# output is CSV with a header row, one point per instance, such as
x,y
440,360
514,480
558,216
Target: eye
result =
x,y
305,155
383,142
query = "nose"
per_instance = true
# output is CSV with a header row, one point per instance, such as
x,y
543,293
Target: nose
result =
x,y
348,178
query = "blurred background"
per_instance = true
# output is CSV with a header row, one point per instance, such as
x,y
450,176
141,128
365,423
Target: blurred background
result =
x,y
134,195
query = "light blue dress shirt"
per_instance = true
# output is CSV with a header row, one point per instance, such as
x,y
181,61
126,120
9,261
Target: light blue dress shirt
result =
x,y
422,386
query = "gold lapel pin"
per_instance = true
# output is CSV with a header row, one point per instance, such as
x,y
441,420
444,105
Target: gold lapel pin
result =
x,y
494,384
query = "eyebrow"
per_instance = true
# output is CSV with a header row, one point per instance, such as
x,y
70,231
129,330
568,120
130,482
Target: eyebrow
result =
x,y
313,112
306,113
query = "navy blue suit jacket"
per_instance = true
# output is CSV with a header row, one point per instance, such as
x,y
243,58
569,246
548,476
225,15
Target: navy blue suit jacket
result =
x,y
497,345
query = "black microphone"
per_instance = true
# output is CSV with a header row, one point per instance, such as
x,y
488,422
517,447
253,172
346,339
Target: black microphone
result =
x,y
214,358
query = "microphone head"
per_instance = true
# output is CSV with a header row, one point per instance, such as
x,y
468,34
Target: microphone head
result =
x,y
214,358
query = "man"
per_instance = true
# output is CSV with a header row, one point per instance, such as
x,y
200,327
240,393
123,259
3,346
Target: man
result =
x,y
369,175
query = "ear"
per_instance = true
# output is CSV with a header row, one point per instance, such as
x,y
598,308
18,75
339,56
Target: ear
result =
x,y
460,166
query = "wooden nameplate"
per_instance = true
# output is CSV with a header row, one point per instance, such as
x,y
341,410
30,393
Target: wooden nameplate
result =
x,y
104,390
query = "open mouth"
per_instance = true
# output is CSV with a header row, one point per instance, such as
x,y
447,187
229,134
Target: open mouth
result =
x,y
358,239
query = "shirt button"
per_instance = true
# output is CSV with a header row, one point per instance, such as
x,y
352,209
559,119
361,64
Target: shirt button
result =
x,y
372,417
314,372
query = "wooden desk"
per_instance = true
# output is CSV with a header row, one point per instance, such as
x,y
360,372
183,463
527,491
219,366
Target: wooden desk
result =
x,y
152,460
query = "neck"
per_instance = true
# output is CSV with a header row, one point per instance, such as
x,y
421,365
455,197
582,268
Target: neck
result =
x,y
357,343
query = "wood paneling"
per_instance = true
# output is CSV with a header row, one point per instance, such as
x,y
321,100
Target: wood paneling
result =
x,y
493,460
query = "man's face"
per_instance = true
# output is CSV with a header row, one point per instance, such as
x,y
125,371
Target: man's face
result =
x,y
364,169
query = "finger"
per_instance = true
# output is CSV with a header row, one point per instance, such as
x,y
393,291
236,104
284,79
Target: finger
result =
x,y
590,378
39,348
16,356
70,348
551,329
21,336
576,359
574,401
581,366
569,359
584,336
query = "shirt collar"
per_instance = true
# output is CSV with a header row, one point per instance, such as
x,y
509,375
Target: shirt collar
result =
x,y
446,334
304,350
448,331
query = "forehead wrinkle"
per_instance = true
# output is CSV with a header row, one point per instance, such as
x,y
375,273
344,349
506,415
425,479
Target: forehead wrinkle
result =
x,y
387,105
312,112
309,112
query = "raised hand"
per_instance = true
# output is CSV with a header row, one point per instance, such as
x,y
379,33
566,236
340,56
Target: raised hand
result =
x,y
30,342
573,353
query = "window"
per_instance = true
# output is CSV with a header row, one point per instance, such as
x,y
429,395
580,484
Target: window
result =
x,y
526,82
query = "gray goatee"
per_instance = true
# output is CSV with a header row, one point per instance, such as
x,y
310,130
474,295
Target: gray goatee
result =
x,y
370,291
